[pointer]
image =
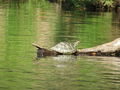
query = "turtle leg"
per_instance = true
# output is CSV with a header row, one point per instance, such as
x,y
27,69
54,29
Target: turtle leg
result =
x,y
40,52
75,53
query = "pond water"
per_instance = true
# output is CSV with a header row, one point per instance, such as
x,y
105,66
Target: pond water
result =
x,y
23,22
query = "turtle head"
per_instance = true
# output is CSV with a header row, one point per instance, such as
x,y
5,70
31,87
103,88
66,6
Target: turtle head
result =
x,y
76,43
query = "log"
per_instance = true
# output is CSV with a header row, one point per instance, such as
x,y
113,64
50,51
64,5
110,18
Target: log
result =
x,y
42,52
107,49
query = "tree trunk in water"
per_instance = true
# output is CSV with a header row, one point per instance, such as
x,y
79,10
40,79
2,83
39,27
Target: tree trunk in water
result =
x,y
107,49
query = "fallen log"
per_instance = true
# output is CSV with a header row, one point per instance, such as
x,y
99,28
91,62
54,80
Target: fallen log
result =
x,y
107,49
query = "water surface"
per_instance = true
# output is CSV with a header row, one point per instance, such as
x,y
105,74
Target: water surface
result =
x,y
42,22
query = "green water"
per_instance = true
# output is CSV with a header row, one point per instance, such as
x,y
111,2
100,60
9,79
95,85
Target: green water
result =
x,y
27,21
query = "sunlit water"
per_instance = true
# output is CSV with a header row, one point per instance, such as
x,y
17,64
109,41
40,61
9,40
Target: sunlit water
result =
x,y
22,23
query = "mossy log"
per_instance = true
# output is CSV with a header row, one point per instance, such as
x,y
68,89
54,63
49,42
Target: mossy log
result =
x,y
107,49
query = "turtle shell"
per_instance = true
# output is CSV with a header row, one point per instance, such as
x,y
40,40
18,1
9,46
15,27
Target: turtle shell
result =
x,y
65,47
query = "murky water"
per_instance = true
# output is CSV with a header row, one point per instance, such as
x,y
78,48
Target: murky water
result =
x,y
25,22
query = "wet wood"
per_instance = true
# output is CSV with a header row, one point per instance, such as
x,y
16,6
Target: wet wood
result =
x,y
44,52
107,49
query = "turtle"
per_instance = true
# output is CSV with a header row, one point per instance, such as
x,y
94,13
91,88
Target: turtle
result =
x,y
65,47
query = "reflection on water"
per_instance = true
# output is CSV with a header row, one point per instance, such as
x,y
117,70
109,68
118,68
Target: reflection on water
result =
x,y
116,24
82,73
65,57
23,22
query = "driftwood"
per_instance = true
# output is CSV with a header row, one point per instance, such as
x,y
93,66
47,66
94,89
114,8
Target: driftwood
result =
x,y
107,49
